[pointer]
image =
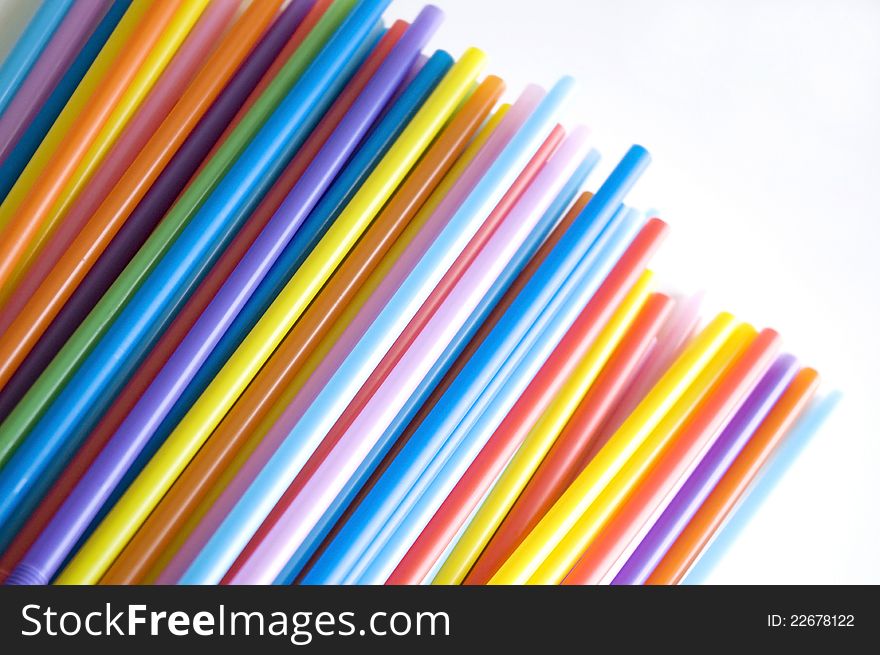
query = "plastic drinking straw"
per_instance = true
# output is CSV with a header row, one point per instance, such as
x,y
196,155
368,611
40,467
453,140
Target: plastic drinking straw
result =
x,y
769,477
167,90
74,351
16,190
16,160
600,560
614,456
27,49
61,535
96,441
327,363
453,406
212,226
150,48
229,436
79,22
144,218
561,560
92,447
91,223
389,440
560,466
723,499
187,547
255,436
541,247
671,340
320,416
545,406
349,180
385,563
130,103
708,471
443,313
147,489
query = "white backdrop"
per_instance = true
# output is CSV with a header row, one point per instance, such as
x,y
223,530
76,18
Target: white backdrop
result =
x,y
763,117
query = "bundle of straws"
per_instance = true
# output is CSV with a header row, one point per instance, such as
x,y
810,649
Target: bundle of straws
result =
x,y
286,300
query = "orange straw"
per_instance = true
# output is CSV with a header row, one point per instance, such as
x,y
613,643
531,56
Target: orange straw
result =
x,y
727,493
86,248
25,224
229,437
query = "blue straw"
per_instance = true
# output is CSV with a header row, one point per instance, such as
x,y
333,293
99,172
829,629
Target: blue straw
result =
x,y
452,407
415,510
27,145
118,352
525,253
771,477
27,49
245,517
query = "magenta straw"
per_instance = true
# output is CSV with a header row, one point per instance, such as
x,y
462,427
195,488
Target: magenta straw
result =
x,y
508,126
153,206
155,107
707,473
268,559
74,31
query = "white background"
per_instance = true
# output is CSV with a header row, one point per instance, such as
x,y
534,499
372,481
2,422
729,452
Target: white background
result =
x,y
763,118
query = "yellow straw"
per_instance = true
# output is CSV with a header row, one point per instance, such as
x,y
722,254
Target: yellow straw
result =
x,y
541,541
111,536
540,439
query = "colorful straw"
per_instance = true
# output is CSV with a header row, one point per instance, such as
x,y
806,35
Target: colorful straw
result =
x,y
468,280
770,477
540,542
533,423
285,298
705,476
125,446
55,375
599,560
91,224
338,559
94,557
735,482
212,225
146,54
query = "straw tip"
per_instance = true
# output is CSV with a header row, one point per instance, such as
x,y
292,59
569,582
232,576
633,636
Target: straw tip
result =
x,y
431,13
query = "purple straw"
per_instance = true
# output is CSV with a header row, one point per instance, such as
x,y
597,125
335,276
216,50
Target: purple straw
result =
x,y
706,475
85,501
153,206
73,32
